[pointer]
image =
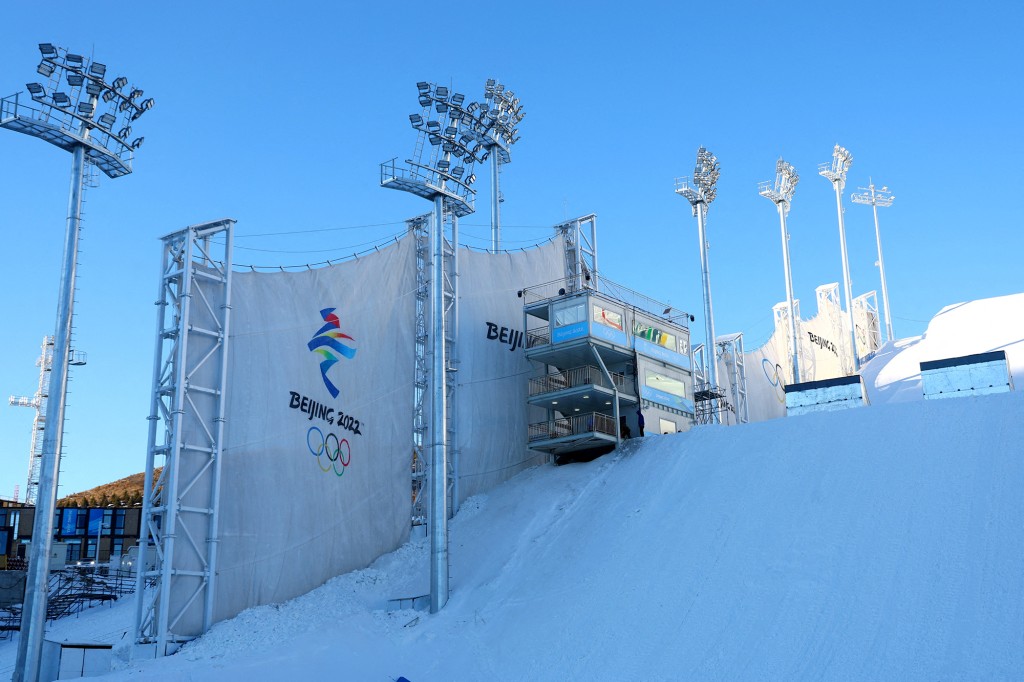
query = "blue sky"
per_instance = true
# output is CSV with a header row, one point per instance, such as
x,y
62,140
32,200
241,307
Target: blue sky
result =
x,y
278,117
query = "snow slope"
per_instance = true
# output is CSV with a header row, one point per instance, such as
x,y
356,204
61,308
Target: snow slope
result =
x,y
879,543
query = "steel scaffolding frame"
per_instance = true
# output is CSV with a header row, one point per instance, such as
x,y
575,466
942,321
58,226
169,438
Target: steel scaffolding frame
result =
x,y
581,270
186,427
731,348
865,315
38,402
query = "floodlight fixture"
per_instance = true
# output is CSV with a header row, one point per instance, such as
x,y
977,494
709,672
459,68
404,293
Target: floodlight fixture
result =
x,y
700,195
835,173
65,120
135,94
416,120
109,95
119,83
875,198
125,133
137,142
786,179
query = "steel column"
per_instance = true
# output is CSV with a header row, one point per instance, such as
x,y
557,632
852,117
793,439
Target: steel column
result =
x,y
495,203
438,517
33,620
846,276
881,269
789,293
709,321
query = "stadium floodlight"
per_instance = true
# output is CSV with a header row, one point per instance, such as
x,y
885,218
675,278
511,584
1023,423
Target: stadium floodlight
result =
x,y
835,173
700,195
781,194
875,198
64,120
119,83
430,175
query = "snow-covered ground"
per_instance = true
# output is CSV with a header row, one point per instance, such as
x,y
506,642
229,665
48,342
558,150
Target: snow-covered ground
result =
x,y
879,543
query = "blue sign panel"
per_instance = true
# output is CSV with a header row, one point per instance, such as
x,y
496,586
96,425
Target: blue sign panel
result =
x,y
603,331
657,352
69,521
663,398
577,330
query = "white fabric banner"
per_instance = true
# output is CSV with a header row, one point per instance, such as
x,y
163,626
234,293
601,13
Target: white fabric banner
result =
x,y
316,470
493,372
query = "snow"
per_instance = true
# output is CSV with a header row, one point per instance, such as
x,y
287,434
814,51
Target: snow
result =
x,y
874,543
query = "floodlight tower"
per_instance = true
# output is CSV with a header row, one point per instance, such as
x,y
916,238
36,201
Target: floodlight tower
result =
x,y
700,196
835,173
882,197
443,173
781,194
495,124
76,121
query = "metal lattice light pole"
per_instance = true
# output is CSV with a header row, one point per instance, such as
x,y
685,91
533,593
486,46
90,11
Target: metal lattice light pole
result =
x,y
882,197
781,194
441,171
835,173
700,196
77,121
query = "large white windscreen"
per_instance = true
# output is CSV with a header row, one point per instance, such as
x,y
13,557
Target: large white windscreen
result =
x,y
316,469
493,372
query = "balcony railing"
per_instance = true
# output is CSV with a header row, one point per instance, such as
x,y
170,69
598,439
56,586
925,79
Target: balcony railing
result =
x,y
578,376
538,336
576,425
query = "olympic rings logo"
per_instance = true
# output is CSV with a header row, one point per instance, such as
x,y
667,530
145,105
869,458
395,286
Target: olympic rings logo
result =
x,y
336,451
775,378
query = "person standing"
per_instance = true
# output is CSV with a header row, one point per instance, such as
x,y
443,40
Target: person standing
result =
x,y
640,422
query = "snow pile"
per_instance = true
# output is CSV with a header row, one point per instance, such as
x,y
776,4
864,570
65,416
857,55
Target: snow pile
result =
x,y
894,373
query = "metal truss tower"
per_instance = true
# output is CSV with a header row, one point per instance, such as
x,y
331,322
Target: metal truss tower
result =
x,y
38,402
580,237
731,350
180,509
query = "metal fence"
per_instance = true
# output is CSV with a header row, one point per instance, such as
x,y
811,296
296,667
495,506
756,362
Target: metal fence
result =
x,y
578,376
579,424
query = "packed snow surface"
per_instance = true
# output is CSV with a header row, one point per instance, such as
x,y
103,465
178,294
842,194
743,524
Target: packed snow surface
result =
x,y
884,542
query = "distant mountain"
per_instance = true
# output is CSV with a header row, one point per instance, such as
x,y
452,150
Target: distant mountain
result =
x,y
124,491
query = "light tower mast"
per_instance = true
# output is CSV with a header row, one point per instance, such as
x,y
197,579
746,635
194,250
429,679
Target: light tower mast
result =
x,y
499,115
700,196
882,197
441,172
65,110
835,173
781,194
